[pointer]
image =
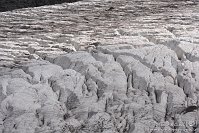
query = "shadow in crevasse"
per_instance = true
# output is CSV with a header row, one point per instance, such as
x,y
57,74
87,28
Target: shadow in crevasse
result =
x,y
8,5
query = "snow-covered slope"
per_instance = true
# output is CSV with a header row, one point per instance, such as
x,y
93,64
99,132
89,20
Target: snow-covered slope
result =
x,y
100,67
